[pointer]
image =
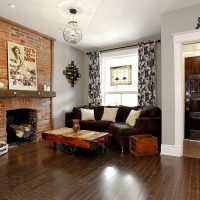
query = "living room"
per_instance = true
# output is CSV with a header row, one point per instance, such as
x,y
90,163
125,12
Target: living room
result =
x,y
115,30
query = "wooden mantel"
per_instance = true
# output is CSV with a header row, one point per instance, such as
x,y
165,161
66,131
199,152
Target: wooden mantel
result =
x,y
5,93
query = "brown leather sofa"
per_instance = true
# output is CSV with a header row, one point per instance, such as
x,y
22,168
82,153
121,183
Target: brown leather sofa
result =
x,y
149,122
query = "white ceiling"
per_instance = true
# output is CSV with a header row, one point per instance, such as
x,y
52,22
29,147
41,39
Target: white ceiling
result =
x,y
104,23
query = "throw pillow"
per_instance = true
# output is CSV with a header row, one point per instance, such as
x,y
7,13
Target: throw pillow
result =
x,y
133,115
87,114
109,114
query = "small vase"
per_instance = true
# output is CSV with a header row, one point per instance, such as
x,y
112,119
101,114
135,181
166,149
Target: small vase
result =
x,y
1,85
76,126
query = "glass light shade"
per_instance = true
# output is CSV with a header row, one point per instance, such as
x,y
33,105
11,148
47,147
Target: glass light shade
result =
x,y
72,33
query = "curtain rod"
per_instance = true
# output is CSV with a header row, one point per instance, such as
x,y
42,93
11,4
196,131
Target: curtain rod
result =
x,y
123,47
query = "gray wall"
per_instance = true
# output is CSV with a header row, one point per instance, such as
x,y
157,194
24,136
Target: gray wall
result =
x,y
158,71
172,22
66,96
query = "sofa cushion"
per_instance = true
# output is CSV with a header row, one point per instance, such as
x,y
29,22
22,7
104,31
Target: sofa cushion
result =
x,y
150,111
123,113
96,125
98,111
121,129
109,114
87,114
133,115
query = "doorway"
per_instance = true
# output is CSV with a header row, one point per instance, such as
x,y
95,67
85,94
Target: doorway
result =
x,y
179,39
191,143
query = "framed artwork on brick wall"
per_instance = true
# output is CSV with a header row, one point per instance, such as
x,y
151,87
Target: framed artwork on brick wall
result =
x,y
121,75
22,71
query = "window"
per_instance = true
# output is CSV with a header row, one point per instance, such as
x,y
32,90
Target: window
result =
x,y
119,77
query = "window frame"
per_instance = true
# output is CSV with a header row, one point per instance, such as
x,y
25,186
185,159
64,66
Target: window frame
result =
x,y
114,55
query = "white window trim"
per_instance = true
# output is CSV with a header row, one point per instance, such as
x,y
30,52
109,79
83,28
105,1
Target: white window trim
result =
x,y
114,55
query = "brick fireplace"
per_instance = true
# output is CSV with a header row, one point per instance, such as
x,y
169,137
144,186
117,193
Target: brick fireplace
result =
x,y
41,105
13,32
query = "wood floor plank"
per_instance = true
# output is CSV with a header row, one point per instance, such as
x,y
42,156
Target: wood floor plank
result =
x,y
198,179
35,171
150,180
185,190
194,180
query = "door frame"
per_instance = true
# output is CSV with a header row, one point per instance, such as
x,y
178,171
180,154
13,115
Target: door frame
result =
x,y
179,39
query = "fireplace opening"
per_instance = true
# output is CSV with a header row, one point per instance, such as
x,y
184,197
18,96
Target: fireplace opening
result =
x,y
21,125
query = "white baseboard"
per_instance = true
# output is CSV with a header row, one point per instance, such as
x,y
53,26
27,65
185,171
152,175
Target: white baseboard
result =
x,y
171,150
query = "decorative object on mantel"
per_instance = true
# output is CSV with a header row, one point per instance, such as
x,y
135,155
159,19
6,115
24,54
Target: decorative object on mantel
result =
x,y
22,70
72,73
1,85
47,88
72,33
198,25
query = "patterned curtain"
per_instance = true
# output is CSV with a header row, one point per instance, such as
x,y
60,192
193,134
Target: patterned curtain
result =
x,y
146,74
94,94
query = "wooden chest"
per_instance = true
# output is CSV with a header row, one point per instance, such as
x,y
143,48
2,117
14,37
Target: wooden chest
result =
x,y
141,145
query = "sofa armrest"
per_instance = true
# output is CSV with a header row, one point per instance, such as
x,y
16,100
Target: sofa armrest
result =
x,y
68,119
148,123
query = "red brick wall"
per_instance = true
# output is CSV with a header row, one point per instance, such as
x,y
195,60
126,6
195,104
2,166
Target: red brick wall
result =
x,y
42,107
10,31
23,36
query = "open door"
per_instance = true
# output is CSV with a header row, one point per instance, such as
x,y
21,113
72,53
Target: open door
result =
x,y
192,98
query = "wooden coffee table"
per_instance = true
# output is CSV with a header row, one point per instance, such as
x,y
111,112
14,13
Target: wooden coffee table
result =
x,y
83,138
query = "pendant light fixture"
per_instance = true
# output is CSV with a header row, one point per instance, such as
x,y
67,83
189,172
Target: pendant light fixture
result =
x,y
72,34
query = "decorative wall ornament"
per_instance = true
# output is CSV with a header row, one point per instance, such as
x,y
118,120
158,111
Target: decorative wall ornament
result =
x,y
198,25
22,71
72,73
121,75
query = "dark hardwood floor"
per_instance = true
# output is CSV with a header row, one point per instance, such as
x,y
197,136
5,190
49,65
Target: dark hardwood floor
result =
x,y
36,172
